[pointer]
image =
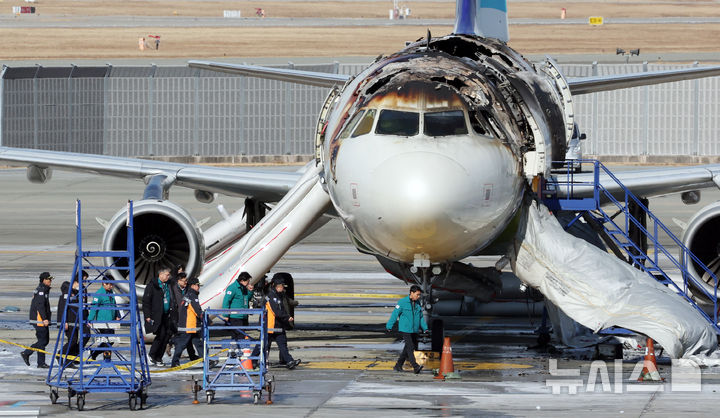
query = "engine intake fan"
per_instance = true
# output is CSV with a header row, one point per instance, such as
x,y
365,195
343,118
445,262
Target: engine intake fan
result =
x,y
165,235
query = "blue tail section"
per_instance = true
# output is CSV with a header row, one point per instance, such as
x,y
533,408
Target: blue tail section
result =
x,y
465,14
486,18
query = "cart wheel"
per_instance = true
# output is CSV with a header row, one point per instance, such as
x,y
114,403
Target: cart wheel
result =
x,y
132,401
270,385
256,397
53,396
209,398
143,399
81,401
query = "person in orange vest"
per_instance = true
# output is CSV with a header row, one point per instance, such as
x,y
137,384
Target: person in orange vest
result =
x,y
189,322
279,320
40,319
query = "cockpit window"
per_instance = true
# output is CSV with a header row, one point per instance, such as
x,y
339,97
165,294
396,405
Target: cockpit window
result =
x,y
350,125
395,122
450,122
480,124
365,125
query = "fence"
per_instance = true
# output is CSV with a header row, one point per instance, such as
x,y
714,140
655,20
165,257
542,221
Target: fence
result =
x,y
178,111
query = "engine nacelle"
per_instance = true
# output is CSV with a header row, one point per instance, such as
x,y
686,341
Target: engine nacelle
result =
x,y
702,239
165,235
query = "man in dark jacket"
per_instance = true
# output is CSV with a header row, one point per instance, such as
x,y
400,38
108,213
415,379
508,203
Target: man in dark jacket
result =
x,y
68,295
40,319
157,305
189,322
288,302
409,315
179,287
279,320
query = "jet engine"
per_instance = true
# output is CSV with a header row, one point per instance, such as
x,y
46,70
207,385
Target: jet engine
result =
x,y
165,235
702,239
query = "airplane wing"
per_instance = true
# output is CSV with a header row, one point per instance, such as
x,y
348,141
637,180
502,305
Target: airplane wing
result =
x,y
578,86
310,78
586,85
268,186
644,182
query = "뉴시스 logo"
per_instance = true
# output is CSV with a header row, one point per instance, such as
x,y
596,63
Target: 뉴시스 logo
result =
x,y
685,376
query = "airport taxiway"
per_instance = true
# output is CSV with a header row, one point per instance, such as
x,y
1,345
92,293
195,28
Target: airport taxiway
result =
x,y
347,358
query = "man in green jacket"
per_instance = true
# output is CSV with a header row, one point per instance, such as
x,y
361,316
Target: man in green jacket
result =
x,y
409,315
238,296
103,311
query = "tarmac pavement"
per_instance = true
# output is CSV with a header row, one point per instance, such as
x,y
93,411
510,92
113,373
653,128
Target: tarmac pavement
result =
x,y
345,298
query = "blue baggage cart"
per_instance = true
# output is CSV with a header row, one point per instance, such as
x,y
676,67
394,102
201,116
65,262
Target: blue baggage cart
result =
x,y
245,366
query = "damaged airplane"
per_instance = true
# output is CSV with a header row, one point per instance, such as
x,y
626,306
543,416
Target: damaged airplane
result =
x,y
426,157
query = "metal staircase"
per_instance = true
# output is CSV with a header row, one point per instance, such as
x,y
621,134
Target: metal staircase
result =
x,y
121,365
616,229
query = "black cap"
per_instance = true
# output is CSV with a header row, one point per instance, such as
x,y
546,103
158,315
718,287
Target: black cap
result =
x,y
283,278
192,281
45,275
276,280
415,288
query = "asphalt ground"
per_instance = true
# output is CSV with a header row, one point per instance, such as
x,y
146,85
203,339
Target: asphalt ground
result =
x,y
347,358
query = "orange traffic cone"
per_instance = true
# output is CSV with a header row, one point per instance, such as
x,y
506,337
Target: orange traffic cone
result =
x,y
650,371
446,361
246,362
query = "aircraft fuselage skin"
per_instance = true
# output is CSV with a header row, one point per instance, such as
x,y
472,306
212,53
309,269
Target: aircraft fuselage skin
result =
x,y
423,151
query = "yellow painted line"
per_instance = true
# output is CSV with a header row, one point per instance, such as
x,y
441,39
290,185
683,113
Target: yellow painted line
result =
x,y
388,365
352,295
172,369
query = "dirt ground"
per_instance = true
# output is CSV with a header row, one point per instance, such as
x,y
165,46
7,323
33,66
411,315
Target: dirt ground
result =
x,y
178,42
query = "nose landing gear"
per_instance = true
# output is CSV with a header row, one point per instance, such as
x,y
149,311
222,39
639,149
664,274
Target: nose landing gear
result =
x,y
424,276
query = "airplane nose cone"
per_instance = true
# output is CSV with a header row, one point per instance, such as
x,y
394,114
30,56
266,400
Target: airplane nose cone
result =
x,y
428,203
420,196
